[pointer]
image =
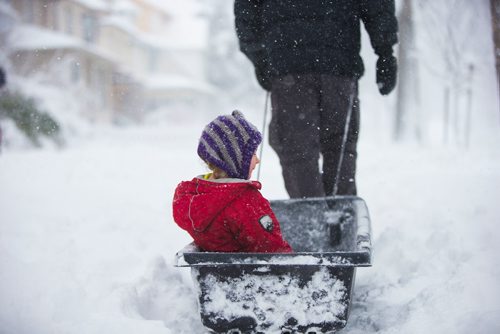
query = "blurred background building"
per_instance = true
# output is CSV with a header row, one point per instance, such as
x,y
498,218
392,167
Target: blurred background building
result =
x,y
116,61
119,58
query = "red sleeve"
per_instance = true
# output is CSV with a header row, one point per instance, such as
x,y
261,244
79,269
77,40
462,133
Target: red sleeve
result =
x,y
255,226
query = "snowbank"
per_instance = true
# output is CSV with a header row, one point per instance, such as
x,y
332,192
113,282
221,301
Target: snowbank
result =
x,y
87,239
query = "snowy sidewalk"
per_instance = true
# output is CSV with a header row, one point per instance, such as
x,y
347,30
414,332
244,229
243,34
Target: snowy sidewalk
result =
x,y
87,239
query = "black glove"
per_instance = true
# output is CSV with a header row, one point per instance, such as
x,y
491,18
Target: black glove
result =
x,y
387,70
3,81
263,77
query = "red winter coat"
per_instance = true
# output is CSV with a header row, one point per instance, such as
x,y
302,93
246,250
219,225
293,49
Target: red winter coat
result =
x,y
228,216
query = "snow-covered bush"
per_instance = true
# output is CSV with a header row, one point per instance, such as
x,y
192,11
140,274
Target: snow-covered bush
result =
x,y
28,118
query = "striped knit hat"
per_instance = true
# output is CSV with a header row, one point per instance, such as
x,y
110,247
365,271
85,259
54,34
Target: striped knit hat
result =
x,y
229,142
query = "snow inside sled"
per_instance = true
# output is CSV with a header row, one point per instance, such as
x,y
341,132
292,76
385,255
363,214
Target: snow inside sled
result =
x,y
308,291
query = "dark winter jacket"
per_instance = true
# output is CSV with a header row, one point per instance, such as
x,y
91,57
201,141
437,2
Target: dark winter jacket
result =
x,y
3,81
228,216
313,36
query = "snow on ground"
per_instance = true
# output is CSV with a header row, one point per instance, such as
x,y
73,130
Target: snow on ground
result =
x,y
87,239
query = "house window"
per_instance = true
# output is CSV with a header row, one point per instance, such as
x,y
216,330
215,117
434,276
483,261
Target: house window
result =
x,y
54,12
153,60
28,11
68,18
89,28
75,71
43,15
101,86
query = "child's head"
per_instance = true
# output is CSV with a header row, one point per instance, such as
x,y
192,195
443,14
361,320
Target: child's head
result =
x,y
227,145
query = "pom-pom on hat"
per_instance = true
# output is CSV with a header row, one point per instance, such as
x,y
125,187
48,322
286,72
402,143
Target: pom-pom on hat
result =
x,y
229,142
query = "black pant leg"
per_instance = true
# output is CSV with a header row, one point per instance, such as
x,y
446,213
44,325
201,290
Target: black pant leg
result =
x,y
337,93
294,133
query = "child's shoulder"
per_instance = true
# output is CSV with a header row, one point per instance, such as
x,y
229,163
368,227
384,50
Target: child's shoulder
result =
x,y
250,202
252,191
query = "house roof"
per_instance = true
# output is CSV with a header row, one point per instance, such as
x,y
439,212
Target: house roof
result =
x,y
124,6
169,82
29,37
187,29
98,5
179,35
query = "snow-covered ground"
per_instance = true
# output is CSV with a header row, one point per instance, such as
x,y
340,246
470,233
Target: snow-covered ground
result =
x,y
87,239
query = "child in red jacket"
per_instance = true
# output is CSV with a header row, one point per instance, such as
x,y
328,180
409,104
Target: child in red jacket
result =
x,y
224,211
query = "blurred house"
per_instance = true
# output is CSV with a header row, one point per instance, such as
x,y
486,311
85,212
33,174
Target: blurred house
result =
x,y
121,57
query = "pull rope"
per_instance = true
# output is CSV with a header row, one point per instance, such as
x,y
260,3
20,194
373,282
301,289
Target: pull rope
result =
x,y
268,94
344,139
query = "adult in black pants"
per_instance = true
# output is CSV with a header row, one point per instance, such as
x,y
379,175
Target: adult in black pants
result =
x,y
3,81
306,53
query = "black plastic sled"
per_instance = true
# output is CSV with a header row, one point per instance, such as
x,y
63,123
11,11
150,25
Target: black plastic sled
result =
x,y
308,291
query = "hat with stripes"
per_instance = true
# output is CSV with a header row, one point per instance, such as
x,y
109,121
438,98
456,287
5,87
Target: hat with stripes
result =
x,y
229,142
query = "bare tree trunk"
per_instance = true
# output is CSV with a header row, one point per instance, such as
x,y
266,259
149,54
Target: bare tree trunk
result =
x,y
408,90
446,118
495,16
468,115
